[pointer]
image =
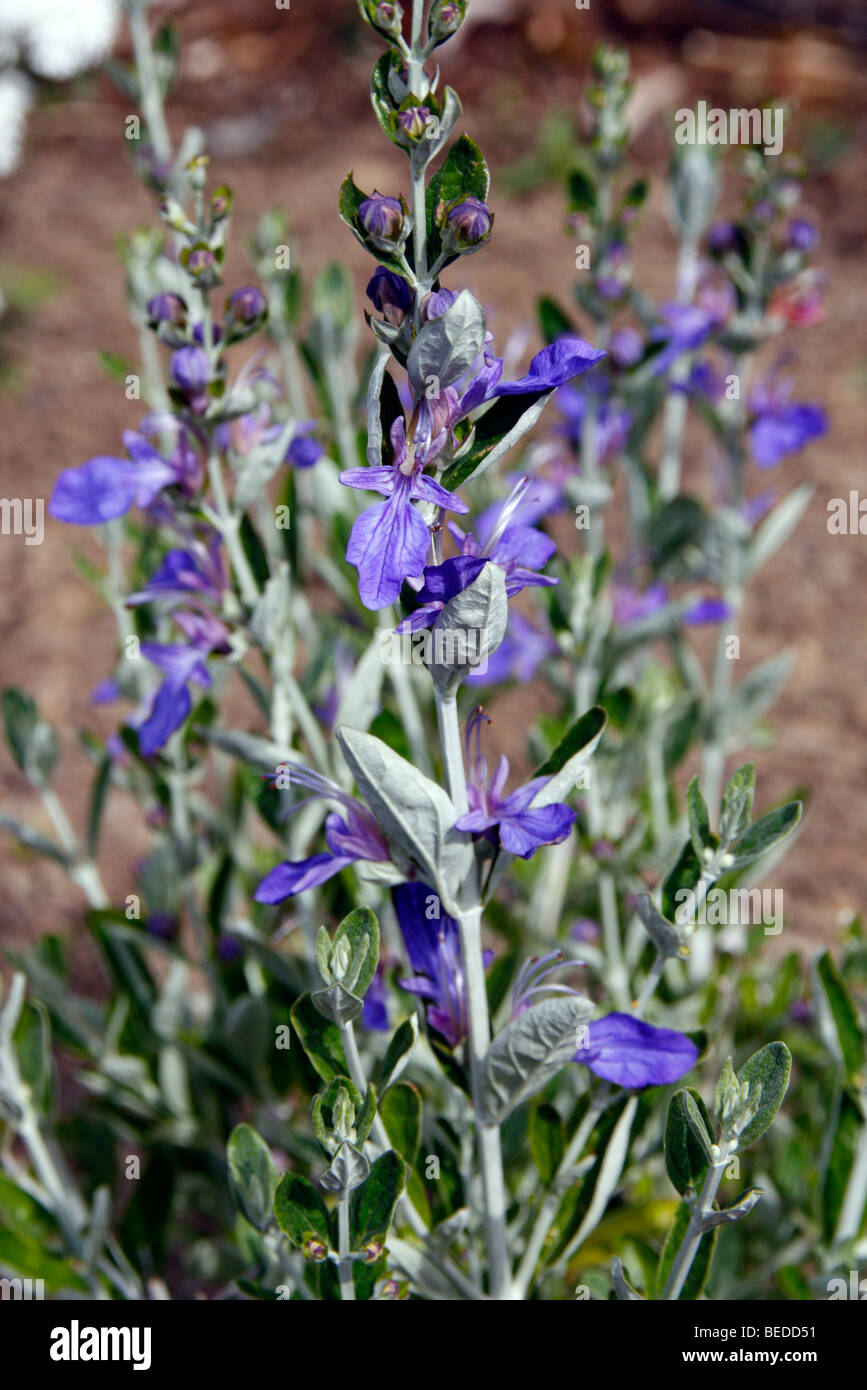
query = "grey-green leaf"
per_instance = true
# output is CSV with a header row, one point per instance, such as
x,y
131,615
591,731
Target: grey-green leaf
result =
x,y
252,1175
529,1051
769,1068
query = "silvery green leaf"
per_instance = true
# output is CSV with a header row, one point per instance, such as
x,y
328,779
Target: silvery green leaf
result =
x,y
770,1069
776,528
252,1175
609,1174
622,1287
361,700
737,803
694,189
374,418
529,1051
33,743
469,629
376,871
272,616
410,809
447,346
570,757
398,1053
359,932
591,492
349,1169
738,1209
259,752
688,1136
257,471
767,832
337,1004
31,839
848,1040
664,936
699,823
424,1274
300,1211
754,695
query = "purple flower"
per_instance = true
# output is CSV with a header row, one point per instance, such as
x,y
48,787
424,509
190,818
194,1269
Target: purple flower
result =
x,y
781,426
390,294
374,1014
351,837
626,347
441,583
706,610
629,1052
106,487
389,541
684,328
172,702
613,423
382,218
521,828
519,550
630,605
553,367
435,304
414,121
802,234
533,978
433,945
184,574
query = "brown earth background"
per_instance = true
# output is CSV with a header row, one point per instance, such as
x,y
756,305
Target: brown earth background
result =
x,y
282,97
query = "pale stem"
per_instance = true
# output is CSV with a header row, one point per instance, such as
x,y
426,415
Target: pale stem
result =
x,y
82,869
674,416
229,527
347,1286
686,1254
356,1071
478,1023
149,91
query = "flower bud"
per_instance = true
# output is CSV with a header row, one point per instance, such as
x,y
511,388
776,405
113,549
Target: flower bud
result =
x,y
167,308
221,202
385,17
314,1249
371,1252
390,294
229,950
246,309
722,237
383,220
446,17
201,264
190,369
163,926
468,226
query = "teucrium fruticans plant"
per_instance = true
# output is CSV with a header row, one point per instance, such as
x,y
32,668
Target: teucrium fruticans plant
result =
x,y
464,1143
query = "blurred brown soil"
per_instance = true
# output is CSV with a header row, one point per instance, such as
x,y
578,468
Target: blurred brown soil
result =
x,y
282,96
